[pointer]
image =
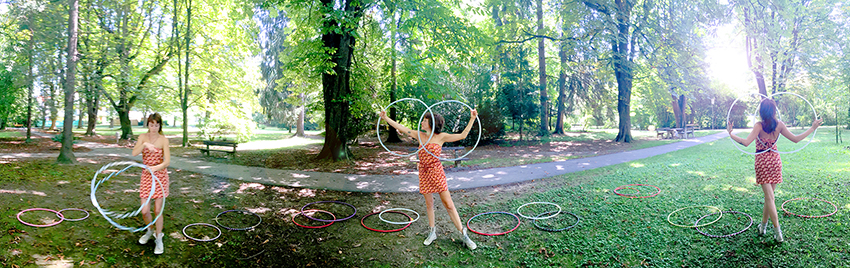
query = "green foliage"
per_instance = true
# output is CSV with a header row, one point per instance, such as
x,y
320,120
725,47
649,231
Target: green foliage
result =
x,y
58,137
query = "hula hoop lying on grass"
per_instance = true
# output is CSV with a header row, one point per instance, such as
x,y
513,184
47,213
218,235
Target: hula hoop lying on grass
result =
x,y
835,208
61,218
381,216
77,209
305,215
494,212
728,235
557,230
387,231
338,202
243,212
539,217
695,224
202,224
635,194
106,213
622,194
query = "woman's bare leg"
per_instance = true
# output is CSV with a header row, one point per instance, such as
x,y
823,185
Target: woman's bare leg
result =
x,y
446,197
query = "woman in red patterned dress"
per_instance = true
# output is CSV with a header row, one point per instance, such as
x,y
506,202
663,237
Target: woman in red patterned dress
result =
x,y
432,177
768,166
155,154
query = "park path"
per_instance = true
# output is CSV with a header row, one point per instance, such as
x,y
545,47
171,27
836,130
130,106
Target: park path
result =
x,y
390,183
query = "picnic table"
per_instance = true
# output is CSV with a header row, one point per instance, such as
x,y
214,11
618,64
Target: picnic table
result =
x,y
455,153
231,144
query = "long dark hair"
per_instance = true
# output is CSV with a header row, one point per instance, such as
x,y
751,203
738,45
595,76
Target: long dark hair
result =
x,y
156,118
437,125
767,111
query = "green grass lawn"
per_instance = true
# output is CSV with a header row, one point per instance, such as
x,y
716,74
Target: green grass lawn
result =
x,y
11,134
614,230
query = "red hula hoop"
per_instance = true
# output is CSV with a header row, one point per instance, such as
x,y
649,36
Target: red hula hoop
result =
x,y
61,217
312,227
386,231
632,196
494,212
808,216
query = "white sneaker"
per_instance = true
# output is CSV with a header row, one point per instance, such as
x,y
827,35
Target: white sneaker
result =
x,y
432,236
778,236
144,239
762,228
468,242
159,247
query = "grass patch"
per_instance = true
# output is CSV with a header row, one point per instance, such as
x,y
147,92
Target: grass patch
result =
x,y
11,134
614,231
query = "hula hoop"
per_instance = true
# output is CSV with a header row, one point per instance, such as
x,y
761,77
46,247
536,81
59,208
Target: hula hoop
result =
x,y
815,132
378,127
106,213
386,231
557,230
695,224
494,212
202,224
61,218
77,209
539,216
622,194
635,195
727,235
432,132
335,219
809,216
305,215
381,216
243,212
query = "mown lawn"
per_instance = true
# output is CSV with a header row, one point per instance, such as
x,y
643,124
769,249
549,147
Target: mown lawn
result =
x,y
614,230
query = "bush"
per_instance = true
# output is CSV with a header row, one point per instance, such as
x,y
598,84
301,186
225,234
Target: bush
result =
x,y
58,138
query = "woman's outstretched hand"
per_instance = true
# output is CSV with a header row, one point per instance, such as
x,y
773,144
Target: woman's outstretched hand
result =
x,y
383,115
474,113
817,123
729,127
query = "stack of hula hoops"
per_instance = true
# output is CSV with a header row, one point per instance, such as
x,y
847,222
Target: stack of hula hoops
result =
x,y
58,214
697,225
537,220
219,222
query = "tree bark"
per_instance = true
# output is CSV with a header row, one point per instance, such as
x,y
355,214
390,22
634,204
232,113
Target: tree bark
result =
x,y
184,98
623,70
82,111
541,62
335,86
302,112
66,154
392,135
31,81
562,90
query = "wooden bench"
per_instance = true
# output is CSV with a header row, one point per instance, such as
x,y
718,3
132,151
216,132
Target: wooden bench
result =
x,y
689,130
455,154
577,127
232,144
18,125
661,133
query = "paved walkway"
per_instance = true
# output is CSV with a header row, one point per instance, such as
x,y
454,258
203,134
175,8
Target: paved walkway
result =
x,y
392,183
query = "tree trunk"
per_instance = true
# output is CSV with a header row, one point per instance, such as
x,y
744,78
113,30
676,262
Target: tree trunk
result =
x,y
302,113
66,154
92,102
562,91
623,70
184,99
541,62
335,86
392,135
30,84
124,120
54,111
82,111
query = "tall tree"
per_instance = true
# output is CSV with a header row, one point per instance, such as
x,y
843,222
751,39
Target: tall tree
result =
x,y
541,65
66,154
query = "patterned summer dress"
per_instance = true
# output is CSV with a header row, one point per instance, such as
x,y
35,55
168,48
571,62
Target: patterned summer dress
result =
x,y
152,158
768,165
432,177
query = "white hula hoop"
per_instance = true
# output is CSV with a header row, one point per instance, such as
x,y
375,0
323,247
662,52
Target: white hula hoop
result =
x,y
202,224
381,216
106,213
539,218
432,132
814,133
737,146
378,127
